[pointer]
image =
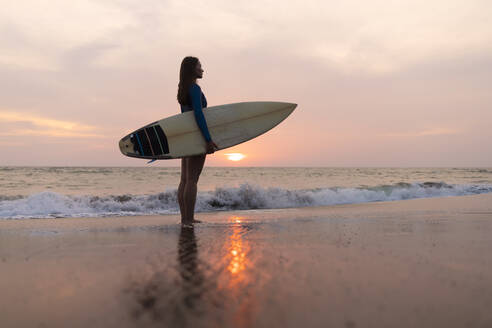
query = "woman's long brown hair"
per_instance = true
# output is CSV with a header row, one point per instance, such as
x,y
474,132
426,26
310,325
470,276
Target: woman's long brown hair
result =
x,y
187,74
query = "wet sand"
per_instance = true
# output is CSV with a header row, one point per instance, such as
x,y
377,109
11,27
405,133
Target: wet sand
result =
x,y
415,263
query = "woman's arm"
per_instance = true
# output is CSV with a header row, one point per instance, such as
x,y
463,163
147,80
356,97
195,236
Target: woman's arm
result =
x,y
196,103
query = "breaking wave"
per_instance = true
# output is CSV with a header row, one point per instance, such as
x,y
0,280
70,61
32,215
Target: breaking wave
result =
x,y
53,205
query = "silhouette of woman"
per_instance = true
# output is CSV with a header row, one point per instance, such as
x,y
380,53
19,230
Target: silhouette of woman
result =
x,y
191,98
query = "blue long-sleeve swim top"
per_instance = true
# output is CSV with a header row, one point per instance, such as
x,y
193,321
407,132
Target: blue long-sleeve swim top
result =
x,y
198,102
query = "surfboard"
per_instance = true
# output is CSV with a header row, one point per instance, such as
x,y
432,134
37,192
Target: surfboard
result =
x,y
179,136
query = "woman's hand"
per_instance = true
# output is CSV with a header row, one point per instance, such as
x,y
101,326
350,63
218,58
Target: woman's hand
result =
x,y
211,147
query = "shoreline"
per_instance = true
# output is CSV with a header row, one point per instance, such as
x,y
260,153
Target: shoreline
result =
x,y
371,209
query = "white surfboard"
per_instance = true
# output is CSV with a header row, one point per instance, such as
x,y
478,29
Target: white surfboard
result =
x,y
179,136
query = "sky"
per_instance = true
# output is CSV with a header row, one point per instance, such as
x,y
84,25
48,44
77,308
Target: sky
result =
x,y
378,83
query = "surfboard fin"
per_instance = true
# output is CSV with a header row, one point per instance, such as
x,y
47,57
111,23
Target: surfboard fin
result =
x,y
152,160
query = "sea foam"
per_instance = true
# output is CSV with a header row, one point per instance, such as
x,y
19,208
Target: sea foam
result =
x,y
53,205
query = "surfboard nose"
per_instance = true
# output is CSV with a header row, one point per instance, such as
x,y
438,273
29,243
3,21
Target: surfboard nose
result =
x,y
287,105
290,106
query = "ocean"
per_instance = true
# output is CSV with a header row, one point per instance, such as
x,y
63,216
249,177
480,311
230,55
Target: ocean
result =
x,y
55,192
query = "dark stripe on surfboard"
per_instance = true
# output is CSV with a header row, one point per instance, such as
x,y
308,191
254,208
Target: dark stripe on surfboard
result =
x,y
162,139
158,139
153,140
145,142
150,143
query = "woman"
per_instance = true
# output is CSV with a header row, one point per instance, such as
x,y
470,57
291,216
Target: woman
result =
x,y
191,98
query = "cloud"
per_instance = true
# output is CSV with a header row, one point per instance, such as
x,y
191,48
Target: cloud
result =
x,y
86,55
39,41
42,126
48,133
350,36
377,36
424,133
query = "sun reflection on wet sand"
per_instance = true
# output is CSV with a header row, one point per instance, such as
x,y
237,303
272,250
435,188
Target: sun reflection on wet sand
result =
x,y
239,268
238,250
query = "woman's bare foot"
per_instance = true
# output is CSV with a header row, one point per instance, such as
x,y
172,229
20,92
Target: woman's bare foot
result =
x,y
189,224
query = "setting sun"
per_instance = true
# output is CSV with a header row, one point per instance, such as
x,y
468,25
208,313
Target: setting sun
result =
x,y
235,156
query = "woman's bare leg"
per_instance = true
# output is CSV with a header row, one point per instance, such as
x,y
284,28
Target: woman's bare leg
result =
x,y
181,188
193,169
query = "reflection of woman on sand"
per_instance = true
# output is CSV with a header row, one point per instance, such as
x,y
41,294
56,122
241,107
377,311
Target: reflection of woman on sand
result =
x,y
191,98
214,290
174,303
188,267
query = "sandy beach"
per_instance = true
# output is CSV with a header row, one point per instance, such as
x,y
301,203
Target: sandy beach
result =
x,y
413,263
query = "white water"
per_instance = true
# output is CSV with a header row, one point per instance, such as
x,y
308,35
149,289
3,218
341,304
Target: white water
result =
x,y
49,204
